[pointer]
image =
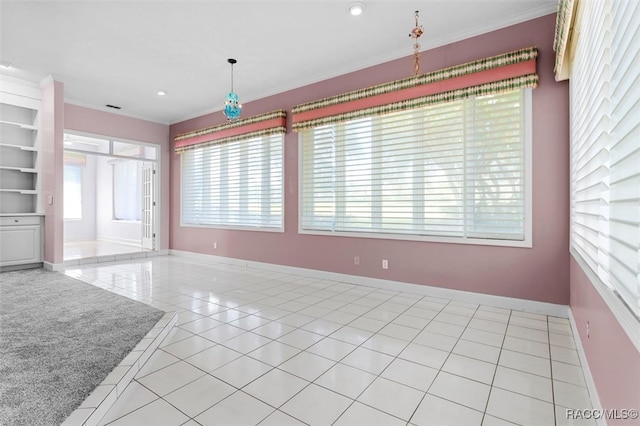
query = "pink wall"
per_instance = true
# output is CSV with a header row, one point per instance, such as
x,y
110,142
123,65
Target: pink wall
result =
x,y
51,146
613,359
539,273
119,126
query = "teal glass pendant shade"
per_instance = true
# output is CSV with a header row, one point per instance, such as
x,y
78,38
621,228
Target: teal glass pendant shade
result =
x,y
232,106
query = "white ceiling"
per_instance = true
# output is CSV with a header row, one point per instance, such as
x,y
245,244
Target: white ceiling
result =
x,y
123,52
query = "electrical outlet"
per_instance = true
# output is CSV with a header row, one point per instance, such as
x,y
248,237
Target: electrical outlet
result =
x,y
385,264
588,330
356,260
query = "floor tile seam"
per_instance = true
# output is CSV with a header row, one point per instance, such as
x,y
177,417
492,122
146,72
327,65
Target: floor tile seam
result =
x,y
526,371
162,368
495,371
568,349
454,402
157,397
233,349
525,338
129,412
566,363
284,403
221,342
183,358
181,329
375,408
211,371
523,394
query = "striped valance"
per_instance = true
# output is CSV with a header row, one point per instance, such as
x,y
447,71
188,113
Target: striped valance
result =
x,y
490,75
251,127
564,24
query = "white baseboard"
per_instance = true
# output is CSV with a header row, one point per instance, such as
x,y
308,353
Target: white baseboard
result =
x,y
532,306
55,267
591,384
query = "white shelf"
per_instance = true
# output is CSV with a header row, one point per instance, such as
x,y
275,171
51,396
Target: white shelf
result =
x,y
20,191
20,147
21,125
19,169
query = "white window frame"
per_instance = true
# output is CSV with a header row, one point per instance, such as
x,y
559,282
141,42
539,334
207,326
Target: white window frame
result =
x,y
527,242
238,227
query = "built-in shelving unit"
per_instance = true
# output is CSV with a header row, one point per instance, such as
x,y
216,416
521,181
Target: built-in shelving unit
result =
x,y
19,154
20,206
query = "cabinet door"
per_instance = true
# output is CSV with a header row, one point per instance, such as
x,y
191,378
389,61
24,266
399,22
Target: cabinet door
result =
x,y
19,245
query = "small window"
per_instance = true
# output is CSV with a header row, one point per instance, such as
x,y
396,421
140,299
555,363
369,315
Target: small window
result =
x,y
237,184
127,190
72,192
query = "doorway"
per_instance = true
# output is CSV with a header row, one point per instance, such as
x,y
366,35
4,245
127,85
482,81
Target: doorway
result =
x,y
110,197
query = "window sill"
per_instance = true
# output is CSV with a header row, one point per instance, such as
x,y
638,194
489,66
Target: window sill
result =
x,y
233,227
526,243
627,320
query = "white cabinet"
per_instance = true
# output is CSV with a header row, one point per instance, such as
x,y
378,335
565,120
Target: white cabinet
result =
x,y
20,241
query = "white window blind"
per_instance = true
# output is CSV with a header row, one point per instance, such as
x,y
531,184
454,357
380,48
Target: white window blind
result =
x,y
127,190
454,169
238,184
72,192
605,152
624,192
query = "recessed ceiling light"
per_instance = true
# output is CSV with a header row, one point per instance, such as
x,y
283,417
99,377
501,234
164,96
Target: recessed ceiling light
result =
x,y
356,9
161,93
6,64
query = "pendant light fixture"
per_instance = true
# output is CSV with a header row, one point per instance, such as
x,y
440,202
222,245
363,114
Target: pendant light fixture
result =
x,y
415,34
232,108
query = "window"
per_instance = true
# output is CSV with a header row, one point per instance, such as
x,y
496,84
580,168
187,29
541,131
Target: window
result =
x,y
236,184
127,190
72,192
456,171
605,154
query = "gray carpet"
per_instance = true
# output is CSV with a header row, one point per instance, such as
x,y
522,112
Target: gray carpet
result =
x,y
59,339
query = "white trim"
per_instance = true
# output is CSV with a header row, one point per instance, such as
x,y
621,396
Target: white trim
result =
x,y
627,320
55,267
532,306
231,227
586,371
424,238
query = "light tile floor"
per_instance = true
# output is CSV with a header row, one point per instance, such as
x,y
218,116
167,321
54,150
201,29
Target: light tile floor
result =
x,y
74,250
260,347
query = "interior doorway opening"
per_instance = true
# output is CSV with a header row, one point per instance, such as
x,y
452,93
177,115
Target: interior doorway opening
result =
x,y
110,197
